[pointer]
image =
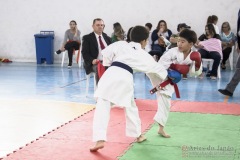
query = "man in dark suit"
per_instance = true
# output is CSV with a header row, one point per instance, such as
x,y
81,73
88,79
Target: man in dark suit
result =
x,y
92,46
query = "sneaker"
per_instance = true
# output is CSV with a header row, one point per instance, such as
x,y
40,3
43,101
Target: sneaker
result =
x,y
223,66
225,92
70,65
213,77
184,77
58,52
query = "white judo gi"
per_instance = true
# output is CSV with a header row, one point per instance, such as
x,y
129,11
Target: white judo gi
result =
x,y
164,96
116,86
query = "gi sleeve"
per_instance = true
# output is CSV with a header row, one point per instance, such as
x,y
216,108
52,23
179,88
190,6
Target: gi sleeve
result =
x,y
109,54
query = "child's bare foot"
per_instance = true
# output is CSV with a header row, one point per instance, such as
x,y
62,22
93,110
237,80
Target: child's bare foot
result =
x,y
141,138
99,145
162,132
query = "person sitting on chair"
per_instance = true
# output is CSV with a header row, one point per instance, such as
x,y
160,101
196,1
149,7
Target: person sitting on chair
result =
x,y
71,41
118,34
92,46
228,40
159,36
209,46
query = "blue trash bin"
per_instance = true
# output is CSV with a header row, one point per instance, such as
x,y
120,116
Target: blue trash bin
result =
x,y
44,47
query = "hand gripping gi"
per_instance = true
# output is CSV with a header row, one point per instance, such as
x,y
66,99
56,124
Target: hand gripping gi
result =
x,y
173,78
174,75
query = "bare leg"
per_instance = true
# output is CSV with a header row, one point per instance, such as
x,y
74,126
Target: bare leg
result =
x,y
98,145
162,132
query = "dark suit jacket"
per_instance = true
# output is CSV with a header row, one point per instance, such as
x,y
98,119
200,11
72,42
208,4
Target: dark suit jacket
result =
x,y
90,50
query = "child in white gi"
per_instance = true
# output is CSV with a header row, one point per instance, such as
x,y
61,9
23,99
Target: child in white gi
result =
x,y
116,84
182,54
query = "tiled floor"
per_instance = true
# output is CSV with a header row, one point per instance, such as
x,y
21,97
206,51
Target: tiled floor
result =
x,y
35,99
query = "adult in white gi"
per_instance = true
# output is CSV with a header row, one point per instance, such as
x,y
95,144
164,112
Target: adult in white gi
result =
x,y
116,85
177,55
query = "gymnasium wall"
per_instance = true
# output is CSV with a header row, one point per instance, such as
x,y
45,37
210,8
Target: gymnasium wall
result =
x,y
20,20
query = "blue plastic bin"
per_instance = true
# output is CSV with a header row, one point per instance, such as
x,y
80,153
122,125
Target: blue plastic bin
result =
x,y
44,47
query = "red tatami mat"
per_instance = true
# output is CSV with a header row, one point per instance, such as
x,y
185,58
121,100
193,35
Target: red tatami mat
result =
x,y
194,107
206,107
73,140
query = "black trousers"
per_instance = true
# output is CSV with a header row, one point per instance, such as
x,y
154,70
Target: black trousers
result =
x,y
226,53
70,46
211,55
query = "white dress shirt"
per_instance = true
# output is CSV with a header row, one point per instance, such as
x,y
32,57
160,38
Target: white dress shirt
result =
x,y
99,47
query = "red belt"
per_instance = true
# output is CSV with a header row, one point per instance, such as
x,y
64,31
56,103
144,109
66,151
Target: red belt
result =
x,y
163,84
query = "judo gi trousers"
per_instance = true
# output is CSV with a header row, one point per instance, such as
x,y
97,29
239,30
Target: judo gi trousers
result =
x,y
102,116
164,104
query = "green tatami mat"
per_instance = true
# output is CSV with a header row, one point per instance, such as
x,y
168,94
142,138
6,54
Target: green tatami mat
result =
x,y
193,137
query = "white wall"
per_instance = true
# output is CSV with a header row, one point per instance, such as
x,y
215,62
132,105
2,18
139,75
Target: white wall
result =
x,y
20,20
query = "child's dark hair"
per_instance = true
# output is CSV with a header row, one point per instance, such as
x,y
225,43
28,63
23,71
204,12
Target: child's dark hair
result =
x,y
189,35
149,25
139,33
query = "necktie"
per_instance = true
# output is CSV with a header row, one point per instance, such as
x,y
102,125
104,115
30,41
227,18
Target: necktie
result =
x,y
101,43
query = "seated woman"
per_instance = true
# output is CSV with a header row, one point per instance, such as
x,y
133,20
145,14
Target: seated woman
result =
x,y
159,47
209,46
118,33
71,41
228,40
